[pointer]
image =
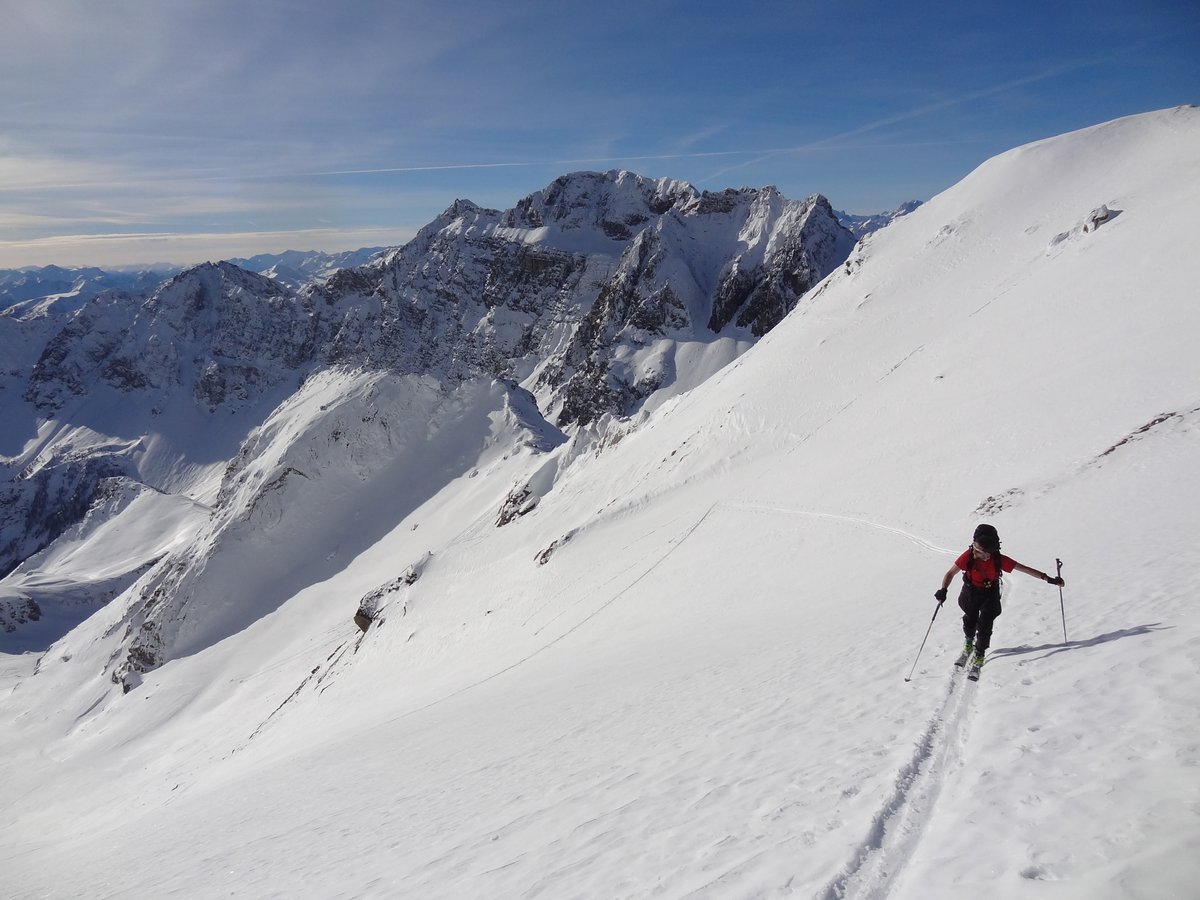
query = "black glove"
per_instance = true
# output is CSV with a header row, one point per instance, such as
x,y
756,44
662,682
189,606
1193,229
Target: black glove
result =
x,y
940,594
1057,582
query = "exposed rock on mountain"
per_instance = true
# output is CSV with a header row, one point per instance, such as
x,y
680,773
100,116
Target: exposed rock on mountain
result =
x,y
36,509
220,331
764,252
618,204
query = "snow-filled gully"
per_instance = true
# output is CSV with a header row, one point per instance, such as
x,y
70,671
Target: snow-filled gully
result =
x,y
896,829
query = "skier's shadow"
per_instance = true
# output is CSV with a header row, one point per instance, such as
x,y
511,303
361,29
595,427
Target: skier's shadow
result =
x,y
1055,648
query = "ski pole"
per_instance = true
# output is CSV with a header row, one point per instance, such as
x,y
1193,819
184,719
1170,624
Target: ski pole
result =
x,y
936,610
1061,606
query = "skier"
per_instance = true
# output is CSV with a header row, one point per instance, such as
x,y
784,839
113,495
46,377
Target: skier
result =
x,y
980,597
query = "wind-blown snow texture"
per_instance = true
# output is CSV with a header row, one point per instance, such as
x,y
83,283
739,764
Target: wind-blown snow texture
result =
x,y
661,655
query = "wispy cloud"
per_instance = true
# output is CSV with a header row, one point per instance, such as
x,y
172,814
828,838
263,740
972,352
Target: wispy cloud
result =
x,y
134,248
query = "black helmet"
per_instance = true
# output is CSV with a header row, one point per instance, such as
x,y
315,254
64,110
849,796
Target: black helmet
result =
x,y
988,538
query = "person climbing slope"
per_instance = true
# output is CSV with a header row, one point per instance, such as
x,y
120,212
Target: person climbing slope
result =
x,y
983,566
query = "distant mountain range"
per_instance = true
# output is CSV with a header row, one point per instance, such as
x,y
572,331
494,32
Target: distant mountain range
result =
x,y
69,287
72,287
864,225
298,267
294,268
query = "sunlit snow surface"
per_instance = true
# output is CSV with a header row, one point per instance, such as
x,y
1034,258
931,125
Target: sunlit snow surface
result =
x,y
682,673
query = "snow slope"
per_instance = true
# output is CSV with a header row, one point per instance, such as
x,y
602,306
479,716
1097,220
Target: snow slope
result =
x,y
681,672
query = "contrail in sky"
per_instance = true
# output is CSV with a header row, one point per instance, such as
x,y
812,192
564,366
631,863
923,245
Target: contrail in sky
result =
x,y
824,144
828,143
539,162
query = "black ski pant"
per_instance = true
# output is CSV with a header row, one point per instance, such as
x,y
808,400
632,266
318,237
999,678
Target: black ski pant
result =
x,y
980,608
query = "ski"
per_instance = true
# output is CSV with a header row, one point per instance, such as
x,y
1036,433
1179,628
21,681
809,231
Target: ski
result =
x,y
962,663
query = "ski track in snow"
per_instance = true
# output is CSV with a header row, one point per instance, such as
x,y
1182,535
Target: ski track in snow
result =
x,y
831,517
673,546
717,507
561,637
896,829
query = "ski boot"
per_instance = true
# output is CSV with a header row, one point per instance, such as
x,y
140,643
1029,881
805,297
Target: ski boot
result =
x,y
966,653
976,665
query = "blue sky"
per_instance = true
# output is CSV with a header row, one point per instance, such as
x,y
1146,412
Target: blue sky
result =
x,y
135,131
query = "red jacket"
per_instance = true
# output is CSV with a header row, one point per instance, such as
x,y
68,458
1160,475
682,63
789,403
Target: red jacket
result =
x,y
982,572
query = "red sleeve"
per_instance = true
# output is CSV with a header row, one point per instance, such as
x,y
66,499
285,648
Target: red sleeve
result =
x,y
1006,564
961,562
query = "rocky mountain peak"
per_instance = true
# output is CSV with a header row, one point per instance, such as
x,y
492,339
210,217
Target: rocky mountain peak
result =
x,y
616,202
209,326
210,285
